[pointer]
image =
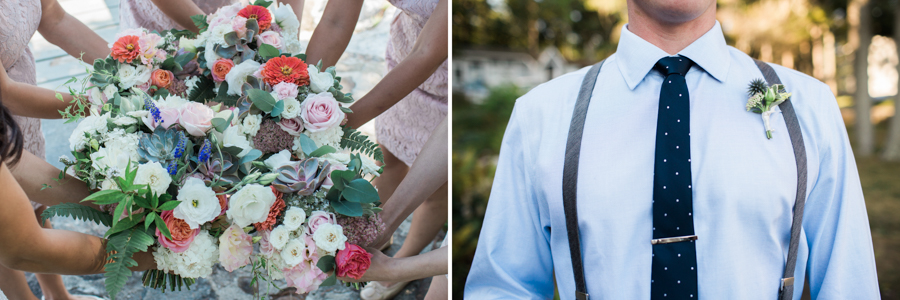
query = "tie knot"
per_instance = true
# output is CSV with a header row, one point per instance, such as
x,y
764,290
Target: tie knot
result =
x,y
673,65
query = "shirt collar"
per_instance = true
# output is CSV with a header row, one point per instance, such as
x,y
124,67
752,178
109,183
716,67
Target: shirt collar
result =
x,y
636,57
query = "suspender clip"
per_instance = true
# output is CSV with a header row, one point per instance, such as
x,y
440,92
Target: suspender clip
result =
x,y
581,296
787,282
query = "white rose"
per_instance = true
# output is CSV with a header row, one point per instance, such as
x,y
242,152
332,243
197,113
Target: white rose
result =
x,y
110,92
319,82
294,218
238,75
278,159
89,125
330,238
291,108
124,121
171,101
369,166
337,158
155,176
110,158
250,205
234,137
130,76
251,124
279,237
125,142
199,203
294,252
285,17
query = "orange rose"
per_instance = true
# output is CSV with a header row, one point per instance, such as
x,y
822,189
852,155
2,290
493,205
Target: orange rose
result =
x,y
126,49
286,69
182,234
221,68
162,79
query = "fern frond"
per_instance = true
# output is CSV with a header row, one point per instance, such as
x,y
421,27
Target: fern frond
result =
x,y
121,247
356,141
78,212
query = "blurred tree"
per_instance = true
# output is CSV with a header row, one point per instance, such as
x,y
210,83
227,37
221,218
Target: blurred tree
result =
x,y
892,146
860,17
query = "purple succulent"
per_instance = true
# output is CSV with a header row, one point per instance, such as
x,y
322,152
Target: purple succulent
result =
x,y
301,177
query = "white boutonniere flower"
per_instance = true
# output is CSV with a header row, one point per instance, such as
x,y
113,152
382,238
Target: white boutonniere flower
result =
x,y
764,99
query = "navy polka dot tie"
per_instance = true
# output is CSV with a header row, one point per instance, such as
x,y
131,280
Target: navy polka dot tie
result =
x,y
674,267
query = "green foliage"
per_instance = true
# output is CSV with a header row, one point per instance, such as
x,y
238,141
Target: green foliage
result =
x,y
158,279
263,3
78,212
262,99
200,22
223,97
203,91
267,51
356,141
307,145
121,247
326,263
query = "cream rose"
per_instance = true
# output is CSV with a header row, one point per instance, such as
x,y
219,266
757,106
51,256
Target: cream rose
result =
x,y
250,205
154,176
199,203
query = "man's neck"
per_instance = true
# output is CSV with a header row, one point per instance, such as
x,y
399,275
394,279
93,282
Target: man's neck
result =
x,y
671,37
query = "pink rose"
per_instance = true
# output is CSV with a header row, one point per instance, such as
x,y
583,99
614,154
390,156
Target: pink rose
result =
x,y
265,247
305,276
321,111
239,25
196,118
258,72
235,247
144,86
284,90
318,218
182,234
271,38
334,167
292,126
353,261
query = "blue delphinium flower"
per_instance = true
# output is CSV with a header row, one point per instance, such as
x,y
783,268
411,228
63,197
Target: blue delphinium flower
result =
x,y
172,168
149,105
205,151
179,149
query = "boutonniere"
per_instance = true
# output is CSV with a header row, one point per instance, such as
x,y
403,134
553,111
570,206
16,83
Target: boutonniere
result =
x,y
764,99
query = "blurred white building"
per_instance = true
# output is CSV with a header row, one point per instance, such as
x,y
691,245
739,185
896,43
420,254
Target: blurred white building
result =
x,y
476,71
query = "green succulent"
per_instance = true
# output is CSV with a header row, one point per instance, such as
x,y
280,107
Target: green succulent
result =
x,y
160,145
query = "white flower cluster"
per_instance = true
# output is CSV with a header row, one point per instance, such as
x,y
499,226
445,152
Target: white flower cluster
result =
x,y
195,262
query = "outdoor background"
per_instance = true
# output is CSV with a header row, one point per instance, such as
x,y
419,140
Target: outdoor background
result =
x,y
362,65
502,48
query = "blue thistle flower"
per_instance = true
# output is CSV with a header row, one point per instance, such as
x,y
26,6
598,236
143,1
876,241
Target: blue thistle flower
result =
x,y
172,168
205,151
149,105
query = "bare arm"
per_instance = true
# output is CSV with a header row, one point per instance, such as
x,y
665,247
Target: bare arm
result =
x,y
30,248
180,11
63,30
386,268
427,55
427,174
332,34
33,172
30,101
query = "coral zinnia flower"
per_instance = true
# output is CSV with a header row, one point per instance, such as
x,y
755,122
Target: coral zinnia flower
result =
x,y
261,14
286,69
276,211
126,48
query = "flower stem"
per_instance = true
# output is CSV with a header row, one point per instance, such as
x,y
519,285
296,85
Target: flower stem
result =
x,y
769,134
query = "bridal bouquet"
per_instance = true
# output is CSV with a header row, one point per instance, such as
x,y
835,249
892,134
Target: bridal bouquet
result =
x,y
202,146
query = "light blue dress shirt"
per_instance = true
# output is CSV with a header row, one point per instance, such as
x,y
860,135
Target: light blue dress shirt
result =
x,y
744,186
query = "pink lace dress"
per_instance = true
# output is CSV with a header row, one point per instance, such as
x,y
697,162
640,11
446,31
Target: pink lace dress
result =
x,y
19,21
143,13
404,128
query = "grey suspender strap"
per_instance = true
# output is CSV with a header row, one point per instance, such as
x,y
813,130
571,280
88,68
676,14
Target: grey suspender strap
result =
x,y
793,126
570,177
570,180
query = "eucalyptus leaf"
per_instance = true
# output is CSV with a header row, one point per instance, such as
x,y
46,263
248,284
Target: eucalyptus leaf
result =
x,y
253,155
267,51
325,149
307,144
278,109
347,208
361,191
326,263
262,100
